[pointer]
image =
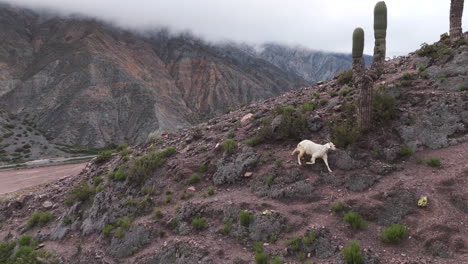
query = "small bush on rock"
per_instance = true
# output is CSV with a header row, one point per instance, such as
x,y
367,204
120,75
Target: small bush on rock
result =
x,y
355,220
277,260
143,167
229,146
344,133
337,207
345,77
39,218
394,233
434,162
406,151
103,157
227,227
80,192
195,178
352,253
199,223
245,218
383,106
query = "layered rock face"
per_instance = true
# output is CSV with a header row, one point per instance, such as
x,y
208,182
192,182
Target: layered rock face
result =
x,y
314,66
85,83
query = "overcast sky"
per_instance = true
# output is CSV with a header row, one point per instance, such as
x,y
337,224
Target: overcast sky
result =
x,y
317,24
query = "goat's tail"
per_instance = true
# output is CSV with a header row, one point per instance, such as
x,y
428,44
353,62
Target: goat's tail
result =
x,y
294,152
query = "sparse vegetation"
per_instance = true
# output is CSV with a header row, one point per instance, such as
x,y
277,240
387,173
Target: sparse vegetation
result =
x,y
462,87
406,151
80,192
345,77
119,174
195,178
226,229
277,260
352,253
308,107
355,220
337,207
158,214
211,191
394,233
229,146
344,133
199,223
383,106
293,123
203,167
107,230
294,244
345,91
103,156
39,218
245,218
143,167
309,238
231,134
441,77
434,162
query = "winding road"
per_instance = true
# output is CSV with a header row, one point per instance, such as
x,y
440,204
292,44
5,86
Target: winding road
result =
x,y
17,179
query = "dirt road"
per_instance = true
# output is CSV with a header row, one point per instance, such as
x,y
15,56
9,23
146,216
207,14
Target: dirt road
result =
x,y
14,180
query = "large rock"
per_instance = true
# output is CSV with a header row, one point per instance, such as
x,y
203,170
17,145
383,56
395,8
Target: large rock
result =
x,y
179,253
232,168
266,226
133,240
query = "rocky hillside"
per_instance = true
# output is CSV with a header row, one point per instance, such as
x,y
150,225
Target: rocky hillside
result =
x,y
229,191
21,141
312,65
86,83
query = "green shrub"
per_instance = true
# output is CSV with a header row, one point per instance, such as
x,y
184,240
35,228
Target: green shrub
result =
x,y
25,240
333,93
211,191
119,174
434,162
261,258
309,238
394,233
103,156
80,192
231,134
294,244
278,162
227,227
97,180
168,198
6,250
264,134
308,107
24,252
301,256
195,178
269,180
407,76
122,147
405,83
293,124
199,223
143,167
123,223
229,146
323,101
344,133
383,106
119,233
245,218
39,218
203,167
345,91
107,230
427,50
462,87
352,253
157,213
355,220
337,207
345,77
406,150
277,260
441,77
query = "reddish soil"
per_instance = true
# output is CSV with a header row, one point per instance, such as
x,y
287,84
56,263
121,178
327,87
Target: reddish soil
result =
x,y
15,180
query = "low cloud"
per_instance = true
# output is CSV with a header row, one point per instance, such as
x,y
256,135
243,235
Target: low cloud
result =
x,y
321,25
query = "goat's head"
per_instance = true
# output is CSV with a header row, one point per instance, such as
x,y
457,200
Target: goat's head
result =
x,y
330,146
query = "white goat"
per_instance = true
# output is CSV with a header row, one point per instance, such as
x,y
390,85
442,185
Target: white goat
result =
x,y
315,150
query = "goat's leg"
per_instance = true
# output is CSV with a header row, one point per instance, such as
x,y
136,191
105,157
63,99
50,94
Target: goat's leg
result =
x,y
325,159
312,160
299,156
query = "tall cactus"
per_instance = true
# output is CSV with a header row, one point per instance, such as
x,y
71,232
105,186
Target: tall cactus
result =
x,y
380,33
362,81
456,12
